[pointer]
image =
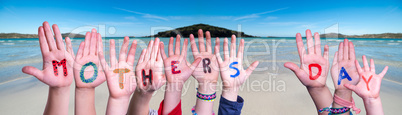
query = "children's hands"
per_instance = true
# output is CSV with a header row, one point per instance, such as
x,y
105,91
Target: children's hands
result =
x,y
176,68
120,75
87,56
232,72
308,76
369,84
151,62
210,73
53,51
344,58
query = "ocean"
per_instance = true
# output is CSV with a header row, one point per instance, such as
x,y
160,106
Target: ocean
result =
x,y
271,52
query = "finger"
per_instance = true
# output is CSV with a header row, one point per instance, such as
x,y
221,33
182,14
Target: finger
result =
x,y
208,37
92,47
34,72
225,49
194,48
201,40
49,36
372,66
87,43
218,55
42,41
162,51
317,43
98,42
241,50
358,67
171,52
326,52
293,67
350,87
335,61
69,47
149,50
123,50
141,59
177,46
384,71
340,51
233,46
300,46
184,50
195,64
131,53
59,39
346,49
80,50
352,54
310,42
365,64
112,53
217,44
105,66
100,50
251,68
155,49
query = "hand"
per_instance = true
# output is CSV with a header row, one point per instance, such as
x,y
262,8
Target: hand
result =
x,y
180,71
309,73
369,84
120,76
209,73
232,73
344,58
53,51
87,62
151,63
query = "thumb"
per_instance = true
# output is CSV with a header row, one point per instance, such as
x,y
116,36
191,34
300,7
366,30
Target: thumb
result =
x,y
33,71
251,68
195,64
292,66
350,87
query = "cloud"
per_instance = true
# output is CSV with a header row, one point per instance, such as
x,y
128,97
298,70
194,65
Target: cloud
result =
x,y
257,15
130,18
144,15
271,18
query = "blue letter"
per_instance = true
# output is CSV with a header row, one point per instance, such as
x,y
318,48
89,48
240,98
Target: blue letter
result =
x,y
237,70
346,75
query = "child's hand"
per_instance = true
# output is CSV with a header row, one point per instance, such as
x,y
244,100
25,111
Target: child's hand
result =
x,y
149,69
208,70
314,66
232,72
88,72
176,68
120,75
53,52
344,58
369,83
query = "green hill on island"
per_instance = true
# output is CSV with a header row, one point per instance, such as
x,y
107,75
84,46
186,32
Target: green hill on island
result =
x,y
18,35
193,29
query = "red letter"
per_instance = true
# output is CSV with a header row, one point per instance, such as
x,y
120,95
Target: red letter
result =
x,y
56,63
174,67
365,80
319,71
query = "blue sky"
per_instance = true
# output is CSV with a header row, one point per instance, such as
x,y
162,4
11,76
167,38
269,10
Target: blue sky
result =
x,y
260,18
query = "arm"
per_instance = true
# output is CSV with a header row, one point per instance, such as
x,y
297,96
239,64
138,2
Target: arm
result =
x,y
88,73
58,82
177,72
313,70
149,72
236,75
207,72
368,87
120,76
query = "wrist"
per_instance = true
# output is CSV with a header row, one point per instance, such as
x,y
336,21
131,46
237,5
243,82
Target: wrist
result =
x,y
372,100
230,94
84,90
60,90
207,88
344,94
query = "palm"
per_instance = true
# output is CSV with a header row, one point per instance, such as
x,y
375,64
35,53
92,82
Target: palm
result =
x,y
314,66
88,55
344,58
53,51
210,73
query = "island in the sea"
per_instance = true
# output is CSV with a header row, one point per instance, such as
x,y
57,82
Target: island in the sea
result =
x,y
18,35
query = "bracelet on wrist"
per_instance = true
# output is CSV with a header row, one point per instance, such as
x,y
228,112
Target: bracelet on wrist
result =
x,y
194,113
206,97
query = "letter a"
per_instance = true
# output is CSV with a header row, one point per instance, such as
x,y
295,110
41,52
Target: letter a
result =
x,y
343,76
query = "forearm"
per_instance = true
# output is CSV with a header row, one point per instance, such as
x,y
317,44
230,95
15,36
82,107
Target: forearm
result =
x,y
321,96
203,107
172,96
139,104
373,106
58,101
117,106
85,101
344,94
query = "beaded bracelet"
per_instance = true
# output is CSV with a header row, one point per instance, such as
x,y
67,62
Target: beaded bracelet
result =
x,y
206,97
335,111
194,113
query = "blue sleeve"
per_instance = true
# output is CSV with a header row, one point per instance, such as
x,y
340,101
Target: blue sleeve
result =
x,y
227,107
